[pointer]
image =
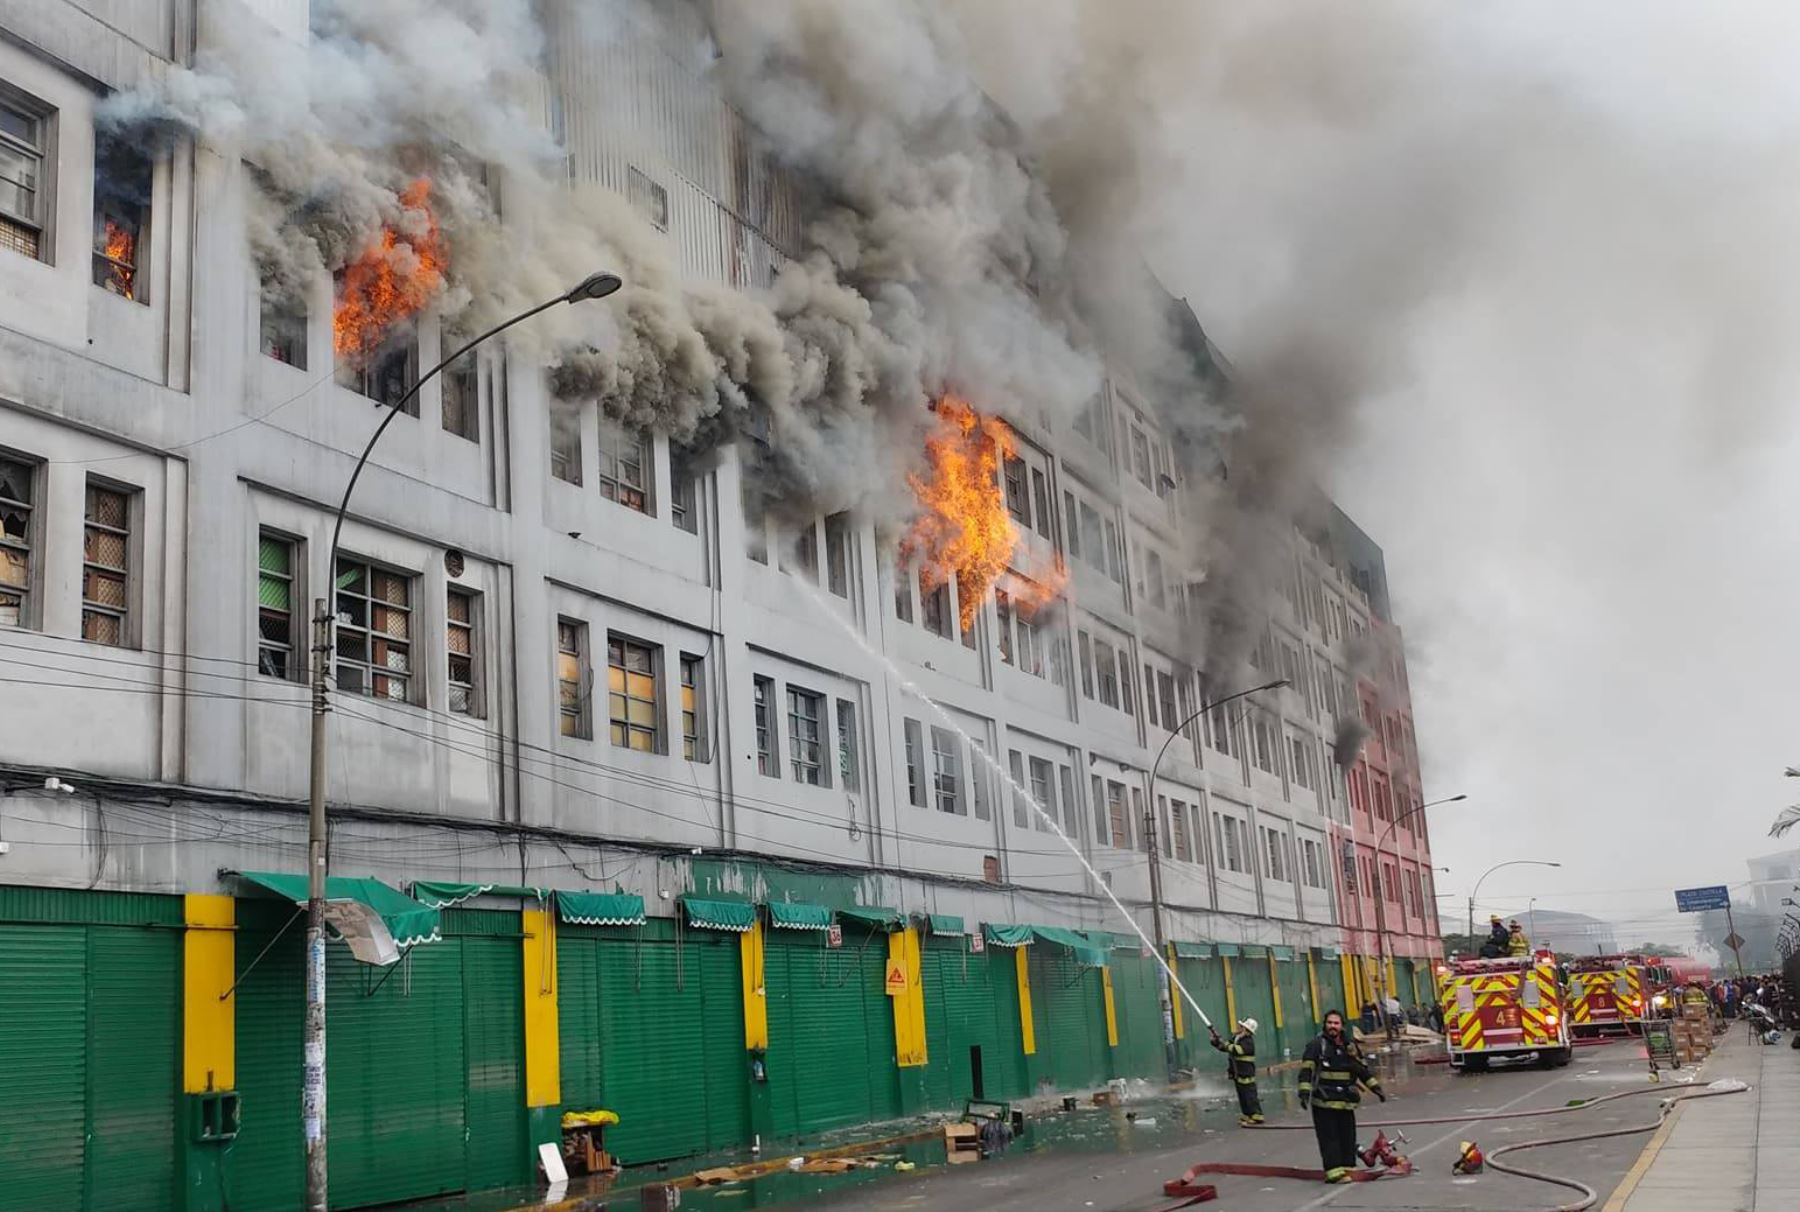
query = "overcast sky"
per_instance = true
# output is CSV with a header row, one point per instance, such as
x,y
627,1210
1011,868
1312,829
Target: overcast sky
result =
x,y
1543,263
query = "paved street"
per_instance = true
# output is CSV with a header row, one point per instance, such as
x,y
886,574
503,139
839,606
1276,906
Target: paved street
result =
x,y
1101,1162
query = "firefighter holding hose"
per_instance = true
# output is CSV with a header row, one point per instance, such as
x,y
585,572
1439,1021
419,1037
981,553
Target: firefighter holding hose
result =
x,y
1330,1072
1242,1067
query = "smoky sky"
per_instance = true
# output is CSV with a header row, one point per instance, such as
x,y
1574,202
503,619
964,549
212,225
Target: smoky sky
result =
x,y
1537,265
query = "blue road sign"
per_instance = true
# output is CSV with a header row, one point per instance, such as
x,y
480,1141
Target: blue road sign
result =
x,y
1693,900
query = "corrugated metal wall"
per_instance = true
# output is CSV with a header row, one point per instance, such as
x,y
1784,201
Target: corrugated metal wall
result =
x,y
1137,1009
1070,1016
831,1032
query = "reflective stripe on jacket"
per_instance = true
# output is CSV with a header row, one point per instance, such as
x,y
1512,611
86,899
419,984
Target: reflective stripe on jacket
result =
x,y
1330,1071
1242,1051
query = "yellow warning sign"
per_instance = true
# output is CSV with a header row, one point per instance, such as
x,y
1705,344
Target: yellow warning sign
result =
x,y
896,978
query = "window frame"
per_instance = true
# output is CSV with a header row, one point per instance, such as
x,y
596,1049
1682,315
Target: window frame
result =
x,y
609,462
296,669
808,737
946,764
126,575
849,747
766,728
372,637
128,279
629,646
26,592
694,747
1118,816
913,740
471,687
1046,797
465,375
575,717
362,375
41,223
281,320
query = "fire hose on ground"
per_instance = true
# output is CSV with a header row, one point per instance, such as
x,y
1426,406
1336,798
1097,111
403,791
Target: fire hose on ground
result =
x,y
1187,1186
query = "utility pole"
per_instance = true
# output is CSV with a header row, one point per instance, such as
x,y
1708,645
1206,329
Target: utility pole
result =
x,y
312,1092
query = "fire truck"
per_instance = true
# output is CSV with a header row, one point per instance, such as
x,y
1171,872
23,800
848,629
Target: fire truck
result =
x,y
1611,993
1509,1007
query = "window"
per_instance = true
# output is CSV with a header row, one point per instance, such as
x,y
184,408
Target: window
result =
x,y
648,198
1043,790
18,486
1021,810
1233,841
903,604
1184,696
1301,756
1115,557
1410,884
849,765
1017,503
1140,457
24,201
946,770
461,391
631,704
121,216
459,640
1127,698
1099,805
1108,673
565,440
106,566
571,680
1219,727
1137,814
283,335
934,606
624,467
806,554
374,631
1004,629
1150,694
806,736
1117,822
1085,647
386,374
756,520
1153,574
681,490
1093,538
767,761
1178,825
1263,734
1312,868
1040,497
1274,855
1390,885
1071,525
1070,822
693,720
915,763
1165,695
1028,643
837,554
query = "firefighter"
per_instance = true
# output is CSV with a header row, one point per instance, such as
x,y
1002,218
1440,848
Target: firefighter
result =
x,y
1516,942
1242,1067
1330,1072
1497,939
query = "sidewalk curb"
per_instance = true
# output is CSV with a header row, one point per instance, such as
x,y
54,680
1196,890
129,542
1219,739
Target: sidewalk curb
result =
x,y
1629,1184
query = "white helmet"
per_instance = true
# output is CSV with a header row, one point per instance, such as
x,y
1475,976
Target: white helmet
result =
x,y
1248,1024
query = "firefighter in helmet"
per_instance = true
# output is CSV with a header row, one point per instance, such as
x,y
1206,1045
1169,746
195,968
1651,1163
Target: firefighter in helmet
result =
x,y
1241,1049
1330,1071
1497,939
1516,942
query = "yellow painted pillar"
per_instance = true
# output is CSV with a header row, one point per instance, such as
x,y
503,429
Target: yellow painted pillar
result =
x,y
1275,988
1352,988
1027,1031
209,1018
1393,985
1312,983
756,1000
543,1048
910,1049
1230,997
1175,996
1112,1018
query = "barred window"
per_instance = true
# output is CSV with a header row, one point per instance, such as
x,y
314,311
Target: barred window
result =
x,y
571,679
106,566
18,489
631,701
277,625
374,632
24,207
459,639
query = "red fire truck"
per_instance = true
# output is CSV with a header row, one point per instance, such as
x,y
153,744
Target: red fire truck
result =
x,y
1610,993
1507,1007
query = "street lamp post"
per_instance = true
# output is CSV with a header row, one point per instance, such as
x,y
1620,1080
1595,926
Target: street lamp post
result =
x,y
312,1092
1490,871
1164,994
1381,960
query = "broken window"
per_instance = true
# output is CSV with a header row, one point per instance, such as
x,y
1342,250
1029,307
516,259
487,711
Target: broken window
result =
x,y
1016,502
565,440
631,702
387,373
903,598
935,609
121,216
681,490
1003,613
18,487
624,466
106,565
283,335
693,722
459,642
374,632
461,391
571,679
277,621
756,521
806,553
24,148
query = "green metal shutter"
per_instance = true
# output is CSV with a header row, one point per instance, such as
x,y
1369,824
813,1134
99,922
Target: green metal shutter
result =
x,y
1296,1009
818,1047
1205,980
966,1005
578,1017
264,1167
496,1153
1070,1014
1137,1009
1330,974
940,1063
878,1029
727,1067
43,1066
1250,980
133,1066
396,1075
1007,1077
650,1021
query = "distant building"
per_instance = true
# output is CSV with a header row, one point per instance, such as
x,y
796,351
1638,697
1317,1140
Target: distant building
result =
x,y
1576,933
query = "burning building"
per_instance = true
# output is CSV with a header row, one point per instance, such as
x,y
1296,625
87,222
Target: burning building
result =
x,y
876,562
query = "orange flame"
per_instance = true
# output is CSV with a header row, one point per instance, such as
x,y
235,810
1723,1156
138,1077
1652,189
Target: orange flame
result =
x,y
963,530
119,247
394,279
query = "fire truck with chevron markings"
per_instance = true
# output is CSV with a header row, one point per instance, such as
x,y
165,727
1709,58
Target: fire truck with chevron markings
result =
x,y
1610,993
1510,1007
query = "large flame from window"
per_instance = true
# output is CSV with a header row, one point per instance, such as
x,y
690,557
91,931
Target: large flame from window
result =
x,y
393,280
963,530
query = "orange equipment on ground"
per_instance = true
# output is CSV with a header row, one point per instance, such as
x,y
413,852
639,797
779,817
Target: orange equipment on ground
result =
x,y
1507,1007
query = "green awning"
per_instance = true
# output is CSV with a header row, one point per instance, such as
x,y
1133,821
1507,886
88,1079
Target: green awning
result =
x,y
377,921
1252,950
1227,950
793,915
878,916
735,916
438,894
944,923
1282,953
1193,950
1086,953
600,908
1326,953
1006,936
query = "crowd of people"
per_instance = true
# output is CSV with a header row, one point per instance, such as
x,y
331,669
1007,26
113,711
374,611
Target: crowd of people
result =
x,y
1769,991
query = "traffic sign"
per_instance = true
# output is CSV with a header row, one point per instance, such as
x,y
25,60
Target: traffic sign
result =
x,y
1732,941
1694,900
896,978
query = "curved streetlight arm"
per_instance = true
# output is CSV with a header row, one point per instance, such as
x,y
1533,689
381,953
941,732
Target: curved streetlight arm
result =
x,y
1497,866
1200,711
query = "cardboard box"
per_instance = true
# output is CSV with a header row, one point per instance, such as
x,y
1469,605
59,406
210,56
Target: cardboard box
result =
x,y
962,1143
